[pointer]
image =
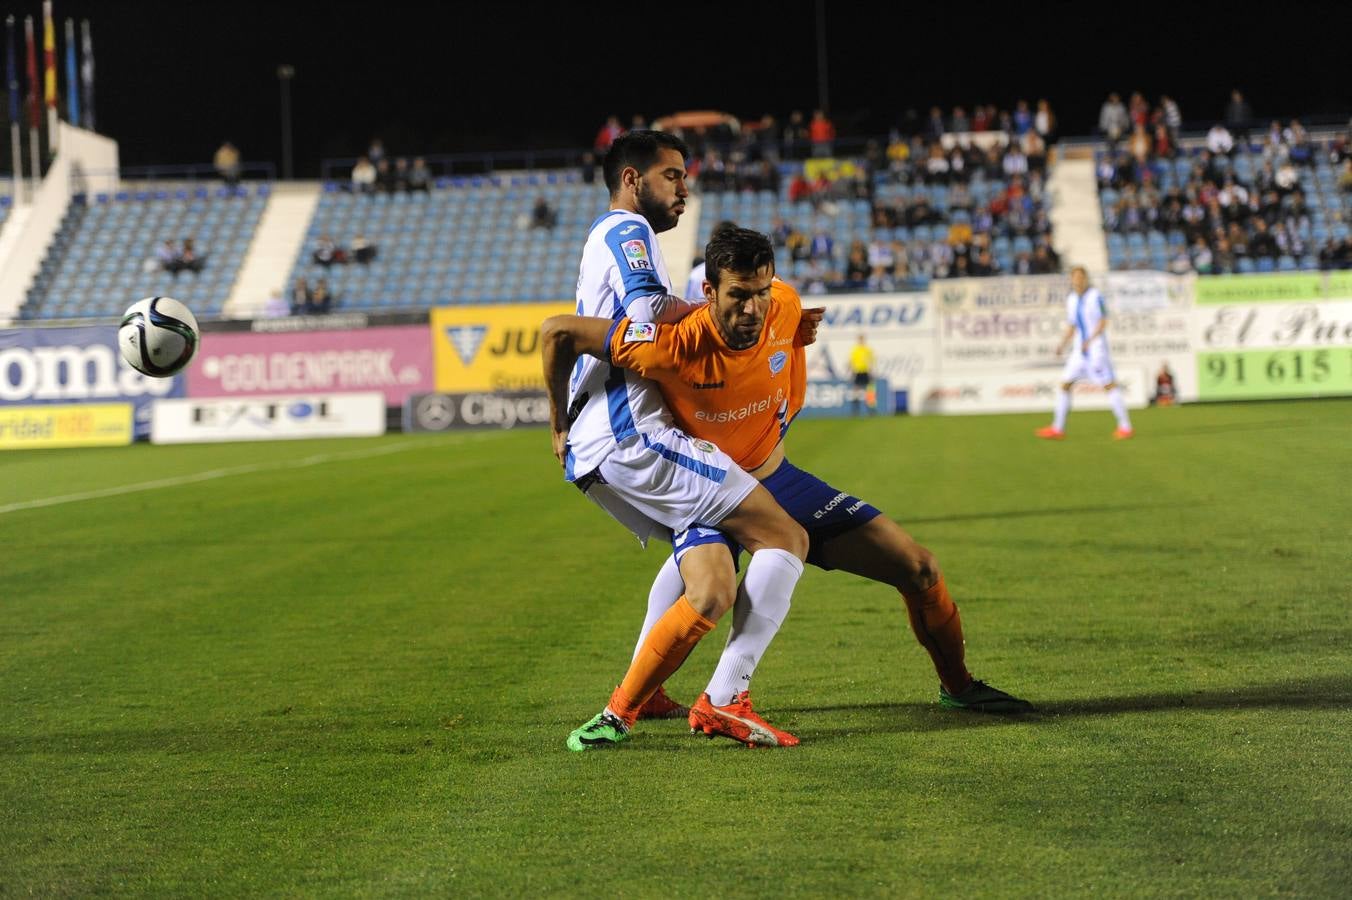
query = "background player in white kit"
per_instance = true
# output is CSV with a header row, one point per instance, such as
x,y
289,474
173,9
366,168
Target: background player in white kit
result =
x,y
617,442
1086,337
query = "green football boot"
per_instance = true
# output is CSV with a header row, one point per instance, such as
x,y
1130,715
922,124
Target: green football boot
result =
x,y
604,730
981,697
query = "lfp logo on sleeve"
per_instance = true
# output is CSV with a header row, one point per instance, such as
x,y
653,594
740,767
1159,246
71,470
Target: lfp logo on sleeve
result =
x,y
640,331
636,254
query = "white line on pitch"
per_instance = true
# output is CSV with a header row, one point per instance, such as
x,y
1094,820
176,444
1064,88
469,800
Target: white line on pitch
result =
x,y
211,474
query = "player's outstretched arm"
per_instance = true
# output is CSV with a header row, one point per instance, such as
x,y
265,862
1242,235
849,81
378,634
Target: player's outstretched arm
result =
x,y
661,308
562,340
807,326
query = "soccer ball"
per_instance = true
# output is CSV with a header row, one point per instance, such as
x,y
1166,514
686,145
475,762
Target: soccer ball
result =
x,y
158,336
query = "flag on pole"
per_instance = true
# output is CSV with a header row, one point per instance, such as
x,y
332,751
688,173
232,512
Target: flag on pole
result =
x,y
49,67
34,117
72,84
48,55
87,75
11,74
12,89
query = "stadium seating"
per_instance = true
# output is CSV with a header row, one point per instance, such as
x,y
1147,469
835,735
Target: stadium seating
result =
x,y
465,241
1155,245
103,256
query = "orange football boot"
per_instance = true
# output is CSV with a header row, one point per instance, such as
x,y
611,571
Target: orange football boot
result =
x,y
738,721
1051,433
661,706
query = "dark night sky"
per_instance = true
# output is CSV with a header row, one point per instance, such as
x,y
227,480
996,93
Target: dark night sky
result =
x,y
174,79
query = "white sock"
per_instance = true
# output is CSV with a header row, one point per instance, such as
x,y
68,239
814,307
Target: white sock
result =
x,y
1062,408
762,603
1119,408
667,588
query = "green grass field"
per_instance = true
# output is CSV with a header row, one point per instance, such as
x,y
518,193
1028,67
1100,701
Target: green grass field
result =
x,y
348,668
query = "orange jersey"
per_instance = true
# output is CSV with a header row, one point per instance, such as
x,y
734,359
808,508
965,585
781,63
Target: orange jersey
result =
x,y
742,400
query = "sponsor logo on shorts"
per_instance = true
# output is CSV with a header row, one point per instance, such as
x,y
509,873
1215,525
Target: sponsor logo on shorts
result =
x,y
836,501
640,332
636,255
777,362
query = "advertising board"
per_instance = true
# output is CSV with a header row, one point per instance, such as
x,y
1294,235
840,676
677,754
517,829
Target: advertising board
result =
x,y
76,365
282,417
490,348
396,360
65,425
476,410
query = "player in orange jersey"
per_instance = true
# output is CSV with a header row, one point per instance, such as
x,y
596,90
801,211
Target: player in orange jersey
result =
x,y
733,373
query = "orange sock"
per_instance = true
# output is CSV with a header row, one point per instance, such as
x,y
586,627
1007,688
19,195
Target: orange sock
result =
x,y
937,625
664,649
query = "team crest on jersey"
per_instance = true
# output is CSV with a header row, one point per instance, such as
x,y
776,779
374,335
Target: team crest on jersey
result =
x,y
777,361
636,255
640,331
705,446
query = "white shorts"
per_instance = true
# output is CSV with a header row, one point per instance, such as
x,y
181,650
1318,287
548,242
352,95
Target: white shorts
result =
x,y
1095,367
666,481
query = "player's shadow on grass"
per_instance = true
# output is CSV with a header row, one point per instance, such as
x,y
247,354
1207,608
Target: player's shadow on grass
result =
x,y
1236,428
1035,513
1330,692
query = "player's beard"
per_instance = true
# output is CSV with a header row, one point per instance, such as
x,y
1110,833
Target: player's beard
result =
x,y
659,215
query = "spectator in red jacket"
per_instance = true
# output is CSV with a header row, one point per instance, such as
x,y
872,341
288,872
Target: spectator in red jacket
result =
x,y
822,134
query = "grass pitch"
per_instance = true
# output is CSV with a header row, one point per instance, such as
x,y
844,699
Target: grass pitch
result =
x,y
348,668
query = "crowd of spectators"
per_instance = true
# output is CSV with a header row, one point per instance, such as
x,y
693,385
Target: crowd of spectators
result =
x,y
329,252
175,258
989,168
377,173
311,300
1241,196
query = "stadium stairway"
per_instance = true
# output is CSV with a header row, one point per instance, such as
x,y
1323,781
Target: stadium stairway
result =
x,y
1077,225
276,241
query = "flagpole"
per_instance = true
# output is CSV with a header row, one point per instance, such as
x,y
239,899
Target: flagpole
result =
x,y
32,100
49,67
72,83
12,87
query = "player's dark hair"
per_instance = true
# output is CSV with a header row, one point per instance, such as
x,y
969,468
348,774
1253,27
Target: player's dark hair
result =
x,y
739,250
640,150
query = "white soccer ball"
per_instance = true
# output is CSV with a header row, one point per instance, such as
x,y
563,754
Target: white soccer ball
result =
x,y
158,336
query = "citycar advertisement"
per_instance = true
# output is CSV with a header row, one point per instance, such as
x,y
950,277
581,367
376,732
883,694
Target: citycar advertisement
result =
x,y
491,348
77,365
395,360
499,410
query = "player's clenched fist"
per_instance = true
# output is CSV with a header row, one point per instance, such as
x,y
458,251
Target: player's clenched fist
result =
x,y
807,325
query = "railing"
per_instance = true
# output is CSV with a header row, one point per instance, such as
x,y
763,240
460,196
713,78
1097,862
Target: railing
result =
x,y
443,164
195,174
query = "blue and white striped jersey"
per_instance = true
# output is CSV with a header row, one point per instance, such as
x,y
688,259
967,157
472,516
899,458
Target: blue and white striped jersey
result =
x,y
622,274
1084,312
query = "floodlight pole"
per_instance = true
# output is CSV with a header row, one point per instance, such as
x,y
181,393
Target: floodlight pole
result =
x,y
284,75
823,93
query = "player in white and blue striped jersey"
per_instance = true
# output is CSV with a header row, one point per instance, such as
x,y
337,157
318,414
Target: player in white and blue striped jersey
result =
x,y
1086,337
618,444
